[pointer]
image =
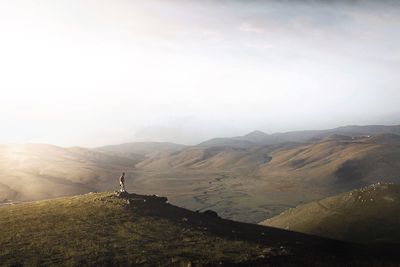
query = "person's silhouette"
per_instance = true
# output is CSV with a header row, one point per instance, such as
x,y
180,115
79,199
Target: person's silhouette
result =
x,y
122,182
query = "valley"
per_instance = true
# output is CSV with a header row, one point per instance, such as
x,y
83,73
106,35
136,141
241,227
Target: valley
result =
x,y
246,181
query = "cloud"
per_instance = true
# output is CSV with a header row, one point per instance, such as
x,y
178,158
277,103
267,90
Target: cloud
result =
x,y
248,27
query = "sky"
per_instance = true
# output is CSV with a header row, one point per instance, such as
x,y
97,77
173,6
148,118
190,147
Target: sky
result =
x,y
91,73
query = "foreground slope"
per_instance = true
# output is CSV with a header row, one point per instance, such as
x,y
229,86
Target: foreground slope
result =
x,y
365,215
103,229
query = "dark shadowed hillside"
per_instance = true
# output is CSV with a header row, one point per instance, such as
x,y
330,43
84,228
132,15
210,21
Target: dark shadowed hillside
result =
x,y
365,215
102,229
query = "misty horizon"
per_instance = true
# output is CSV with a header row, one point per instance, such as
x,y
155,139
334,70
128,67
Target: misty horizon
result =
x,y
212,137
83,74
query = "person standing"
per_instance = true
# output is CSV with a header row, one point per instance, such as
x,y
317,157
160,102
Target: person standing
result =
x,y
122,182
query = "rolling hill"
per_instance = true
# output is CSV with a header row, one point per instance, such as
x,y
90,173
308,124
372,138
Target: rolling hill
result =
x,y
140,150
364,215
338,163
102,229
249,183
222,158
38,171
335,159
245,183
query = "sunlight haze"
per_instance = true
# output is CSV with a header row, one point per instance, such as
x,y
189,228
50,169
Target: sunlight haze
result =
x,y
92,73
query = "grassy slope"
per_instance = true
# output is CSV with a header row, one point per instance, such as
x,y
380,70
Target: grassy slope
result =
x,y
365,215
101,229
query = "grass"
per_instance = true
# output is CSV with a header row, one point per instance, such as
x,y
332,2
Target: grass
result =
x,y
366,215
101,229
98,229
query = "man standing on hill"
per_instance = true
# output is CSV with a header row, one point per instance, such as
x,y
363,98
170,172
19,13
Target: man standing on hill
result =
x,y
122,182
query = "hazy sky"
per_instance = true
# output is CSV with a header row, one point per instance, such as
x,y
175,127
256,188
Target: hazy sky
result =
x,y
100,72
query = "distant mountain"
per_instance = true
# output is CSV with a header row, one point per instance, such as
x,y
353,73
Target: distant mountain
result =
x,y
391,139
227,142
102,229
352,131
364,215
38,171
140,150
252,139
260,138
256,135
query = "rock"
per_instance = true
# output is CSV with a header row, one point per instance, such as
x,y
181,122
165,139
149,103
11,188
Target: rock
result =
x,y
163,199
267,250
122,194
158,199
211,213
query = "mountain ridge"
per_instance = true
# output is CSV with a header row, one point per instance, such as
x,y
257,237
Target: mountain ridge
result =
x,y
257,136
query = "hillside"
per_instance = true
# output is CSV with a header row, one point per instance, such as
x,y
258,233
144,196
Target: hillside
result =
x,y
248,184
211,158
337,160
140,150
338,163
215,158
364,215
256,183
100,229
38,171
